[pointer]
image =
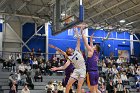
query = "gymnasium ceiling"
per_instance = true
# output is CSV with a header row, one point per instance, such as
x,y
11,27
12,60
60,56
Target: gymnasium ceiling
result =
x,y
101,14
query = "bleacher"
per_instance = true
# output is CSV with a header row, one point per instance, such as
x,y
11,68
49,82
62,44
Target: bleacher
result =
x,y
39,87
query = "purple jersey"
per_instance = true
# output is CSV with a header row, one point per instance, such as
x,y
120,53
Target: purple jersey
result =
x,y
69,70
92,62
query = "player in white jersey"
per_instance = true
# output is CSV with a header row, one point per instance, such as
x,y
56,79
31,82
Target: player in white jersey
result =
x,y
79,63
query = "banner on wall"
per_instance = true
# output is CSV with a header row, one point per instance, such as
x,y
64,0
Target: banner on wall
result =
x,y
123,54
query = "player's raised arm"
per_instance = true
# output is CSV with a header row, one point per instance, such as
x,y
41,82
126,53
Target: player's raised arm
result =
x,y
59,50
91,40
88,47
62,67
78,40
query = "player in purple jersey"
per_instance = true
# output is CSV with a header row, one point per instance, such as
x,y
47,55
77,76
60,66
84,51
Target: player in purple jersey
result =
x,y
91,64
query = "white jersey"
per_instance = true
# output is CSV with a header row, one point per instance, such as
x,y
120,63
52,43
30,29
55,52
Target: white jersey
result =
x,y
78,60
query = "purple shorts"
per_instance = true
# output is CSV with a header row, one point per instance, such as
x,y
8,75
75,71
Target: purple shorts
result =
x,y
92,78
65,81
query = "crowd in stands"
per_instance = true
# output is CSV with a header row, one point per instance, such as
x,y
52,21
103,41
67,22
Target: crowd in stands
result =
x,y
115,74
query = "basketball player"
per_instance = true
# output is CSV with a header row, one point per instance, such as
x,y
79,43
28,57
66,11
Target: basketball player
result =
x,y
78,61
91,64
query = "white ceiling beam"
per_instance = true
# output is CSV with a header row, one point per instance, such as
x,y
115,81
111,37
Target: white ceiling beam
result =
x,y
41,9
119,13
22,6
133,22
107,9
19,15
2,3
94,4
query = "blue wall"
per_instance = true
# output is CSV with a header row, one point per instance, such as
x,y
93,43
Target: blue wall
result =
x,y
136,46
36,42
0,27
115,44
63,41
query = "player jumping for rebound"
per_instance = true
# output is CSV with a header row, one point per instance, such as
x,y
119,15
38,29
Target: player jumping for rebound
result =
x,y
78,61
91,64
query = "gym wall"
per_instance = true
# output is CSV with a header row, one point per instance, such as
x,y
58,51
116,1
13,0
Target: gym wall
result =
x,y
137,46
63,40
1,38
36,42
111,46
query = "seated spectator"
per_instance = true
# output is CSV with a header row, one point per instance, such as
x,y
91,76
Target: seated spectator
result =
x,y
29,82
114,70
101,80
60,87
18,58
110,87
48,66
138,71
21,68
28,69
104,68
119,88
102,88
25,89
119,60
5,65
124,78
13,89
12,78
42,68
20,81
13,63
38,75
138,85
35,63
49,87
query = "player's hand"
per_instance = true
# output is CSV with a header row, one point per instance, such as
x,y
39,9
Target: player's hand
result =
x,y
92,35
52,46
54,69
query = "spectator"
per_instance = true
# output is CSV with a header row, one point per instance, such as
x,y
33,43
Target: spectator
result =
x,y
101,80
39,52
18,58
48,66
42,68
25,89
38,75
19,80
35,63
103,88
13,89
119,61
13,63
138,85
60,87
114,70
50,87
138,71
28,69
124,78
110,87
26,57
29,82
21,68
120,87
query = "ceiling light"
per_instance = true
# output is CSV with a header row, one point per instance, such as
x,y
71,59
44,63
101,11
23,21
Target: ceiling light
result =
x,y
122,21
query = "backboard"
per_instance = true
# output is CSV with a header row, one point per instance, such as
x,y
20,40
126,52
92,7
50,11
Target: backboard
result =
x,y
66,16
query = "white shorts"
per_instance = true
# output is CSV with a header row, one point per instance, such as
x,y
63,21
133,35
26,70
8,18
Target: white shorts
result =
x,y
78,73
